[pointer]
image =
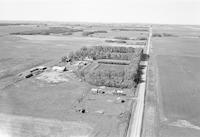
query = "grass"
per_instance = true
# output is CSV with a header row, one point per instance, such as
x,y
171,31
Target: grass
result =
x,y
112,67
22,126
32,97
114,34
17,28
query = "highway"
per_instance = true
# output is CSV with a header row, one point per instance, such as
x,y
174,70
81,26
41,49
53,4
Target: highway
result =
x,y
136,120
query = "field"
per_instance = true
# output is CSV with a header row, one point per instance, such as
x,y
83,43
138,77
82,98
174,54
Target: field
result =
x,y
19,54
35,107
23,126
175,66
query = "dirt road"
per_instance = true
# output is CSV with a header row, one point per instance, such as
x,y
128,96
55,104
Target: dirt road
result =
x,y
136,120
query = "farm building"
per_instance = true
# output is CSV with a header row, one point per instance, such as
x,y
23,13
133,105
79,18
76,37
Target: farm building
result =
x,y
59,69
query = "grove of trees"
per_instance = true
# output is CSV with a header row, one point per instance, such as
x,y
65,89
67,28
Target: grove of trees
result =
x,y
121,77
105,52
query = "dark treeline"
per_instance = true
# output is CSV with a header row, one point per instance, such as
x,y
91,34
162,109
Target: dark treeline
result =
x,y
131,29
50,30
87,33
116,62
122,38
12,24
115,41
105,52
164,35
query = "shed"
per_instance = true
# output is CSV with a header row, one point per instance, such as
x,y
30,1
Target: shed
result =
x,y
59,69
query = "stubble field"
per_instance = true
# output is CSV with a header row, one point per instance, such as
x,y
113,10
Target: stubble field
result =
x,y
177,64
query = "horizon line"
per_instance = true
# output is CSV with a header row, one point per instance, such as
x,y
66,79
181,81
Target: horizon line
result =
x,y
94,22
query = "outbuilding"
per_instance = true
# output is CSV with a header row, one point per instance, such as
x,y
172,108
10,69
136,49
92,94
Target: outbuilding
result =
x,y
59,69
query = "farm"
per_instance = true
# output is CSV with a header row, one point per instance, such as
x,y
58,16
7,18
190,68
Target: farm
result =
x,y
42,89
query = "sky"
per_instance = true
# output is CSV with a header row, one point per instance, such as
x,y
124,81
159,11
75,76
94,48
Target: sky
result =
x,y
103,11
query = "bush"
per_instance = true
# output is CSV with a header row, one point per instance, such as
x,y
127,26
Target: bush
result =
x,y
157,35
144,57
87,33
168,35
122,38
140,43
138,76
64,58
115,41
164,35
